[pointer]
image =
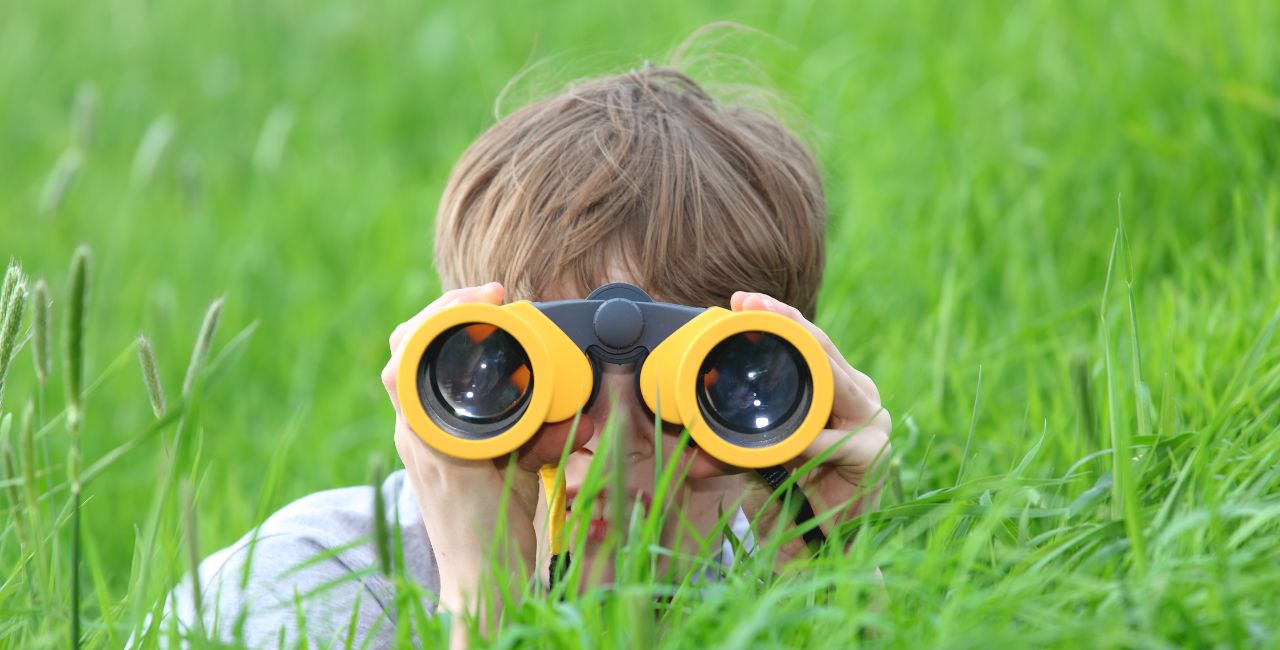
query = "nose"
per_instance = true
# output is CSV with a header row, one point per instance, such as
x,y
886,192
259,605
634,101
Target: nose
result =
x,y
618,400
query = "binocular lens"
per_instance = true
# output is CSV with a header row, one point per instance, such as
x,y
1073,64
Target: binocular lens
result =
x,y
754,388
480,376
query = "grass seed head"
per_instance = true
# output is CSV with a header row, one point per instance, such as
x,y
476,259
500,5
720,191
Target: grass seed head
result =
x,y
11,276
204,343
84,109
151,148
193,551
151,376
61,178
42,335
77,303
10,321
9,328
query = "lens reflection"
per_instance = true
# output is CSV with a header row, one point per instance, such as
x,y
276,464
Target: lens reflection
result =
x,y
751,383
481,373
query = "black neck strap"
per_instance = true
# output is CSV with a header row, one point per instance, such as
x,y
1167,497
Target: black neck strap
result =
x,y
777,475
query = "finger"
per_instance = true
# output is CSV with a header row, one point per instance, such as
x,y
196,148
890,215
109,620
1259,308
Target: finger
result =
x,y
859,451
427,462
850,406
863,381
389,381
492,293
548,444
398,333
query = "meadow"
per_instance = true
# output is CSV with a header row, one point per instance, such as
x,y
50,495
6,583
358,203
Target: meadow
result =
x,y
1054,244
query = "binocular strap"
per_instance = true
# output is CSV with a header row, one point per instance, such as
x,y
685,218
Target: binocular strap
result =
x,y
559,568
777,475
774,476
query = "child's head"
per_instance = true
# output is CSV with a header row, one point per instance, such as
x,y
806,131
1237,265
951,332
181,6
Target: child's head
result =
x,y
644,178
643,175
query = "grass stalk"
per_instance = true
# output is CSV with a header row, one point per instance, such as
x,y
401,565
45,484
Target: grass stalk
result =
x,y
73,475
381,530
1125,502
191,395
12,477
77,304
193,557
32,507
973,426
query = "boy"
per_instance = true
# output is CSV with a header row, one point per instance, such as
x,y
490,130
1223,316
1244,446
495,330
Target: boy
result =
x,y
639,177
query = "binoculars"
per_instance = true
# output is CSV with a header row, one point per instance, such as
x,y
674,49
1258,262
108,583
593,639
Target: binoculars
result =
x,y
477,381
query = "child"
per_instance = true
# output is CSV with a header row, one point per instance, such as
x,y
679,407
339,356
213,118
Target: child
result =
x,y
642,178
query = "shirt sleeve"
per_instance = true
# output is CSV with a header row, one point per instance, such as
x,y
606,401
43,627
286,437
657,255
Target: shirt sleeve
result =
x,y
308,575
270,591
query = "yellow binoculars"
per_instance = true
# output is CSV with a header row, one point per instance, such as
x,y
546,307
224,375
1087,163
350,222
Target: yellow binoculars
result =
x,y
753,388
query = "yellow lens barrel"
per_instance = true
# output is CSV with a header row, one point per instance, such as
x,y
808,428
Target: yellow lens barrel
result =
x,y
557,366
669,384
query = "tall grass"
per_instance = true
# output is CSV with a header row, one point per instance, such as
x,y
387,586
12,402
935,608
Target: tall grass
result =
x,y
1055,234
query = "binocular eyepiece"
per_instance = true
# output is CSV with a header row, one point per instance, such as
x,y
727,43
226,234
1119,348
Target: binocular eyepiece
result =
x,y
477,380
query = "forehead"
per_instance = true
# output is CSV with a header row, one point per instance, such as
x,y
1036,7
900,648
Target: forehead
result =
x,y
565,288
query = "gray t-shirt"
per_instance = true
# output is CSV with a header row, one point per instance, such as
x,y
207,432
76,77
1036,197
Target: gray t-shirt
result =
x,y
315,559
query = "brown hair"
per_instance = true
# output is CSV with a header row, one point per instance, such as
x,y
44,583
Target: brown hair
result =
x,y
646,173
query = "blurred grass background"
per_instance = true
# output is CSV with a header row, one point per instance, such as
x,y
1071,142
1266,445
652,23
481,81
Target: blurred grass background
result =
x,y
978,156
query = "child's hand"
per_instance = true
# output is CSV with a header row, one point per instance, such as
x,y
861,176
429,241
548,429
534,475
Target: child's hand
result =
x,y
460,499
858,429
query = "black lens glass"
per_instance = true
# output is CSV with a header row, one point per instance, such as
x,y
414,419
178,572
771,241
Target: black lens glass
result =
x,y
752,383
480,373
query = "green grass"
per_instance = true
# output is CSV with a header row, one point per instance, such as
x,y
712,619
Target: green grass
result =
x,y
1120,483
